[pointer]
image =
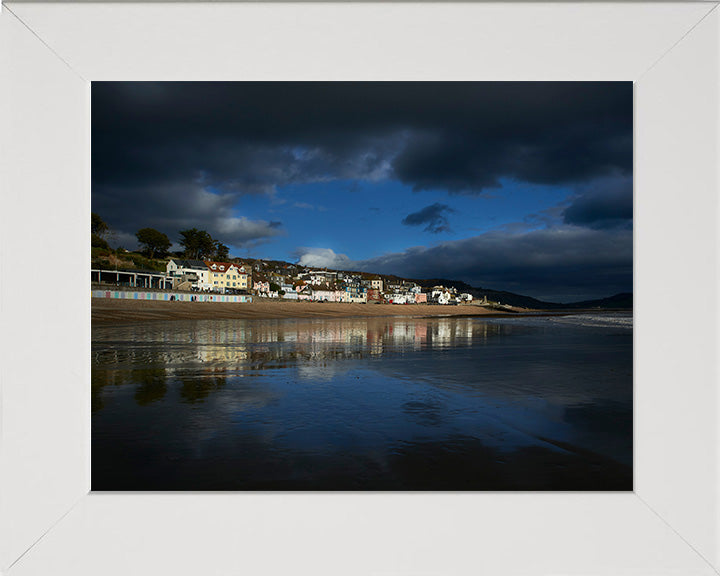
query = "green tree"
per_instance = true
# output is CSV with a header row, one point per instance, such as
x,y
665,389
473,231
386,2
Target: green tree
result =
x,y
198,244
98,230
222,252
153,241
97,226
98,242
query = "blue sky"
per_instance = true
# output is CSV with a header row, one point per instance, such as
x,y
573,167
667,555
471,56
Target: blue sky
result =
x,y
519,186
364,219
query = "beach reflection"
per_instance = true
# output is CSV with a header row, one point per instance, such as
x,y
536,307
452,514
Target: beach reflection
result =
x,y
240,341
361,403
152,352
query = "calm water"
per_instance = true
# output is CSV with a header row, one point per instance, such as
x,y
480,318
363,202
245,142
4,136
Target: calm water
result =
x,y
364,404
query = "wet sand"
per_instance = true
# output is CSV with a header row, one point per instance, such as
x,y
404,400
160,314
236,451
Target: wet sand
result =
x,y
110,311
394,403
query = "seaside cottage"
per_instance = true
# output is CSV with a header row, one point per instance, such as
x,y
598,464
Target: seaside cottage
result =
x,y
355,294
324,295
440,296
396,298
227,276
290,293
374,295
261,287
176,265
188,274
320,277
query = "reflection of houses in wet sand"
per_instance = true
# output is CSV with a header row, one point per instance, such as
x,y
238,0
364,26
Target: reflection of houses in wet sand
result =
x,y
222,354
420,331
443,332
408,332
464,329
208,349
454,331
485,330
374,340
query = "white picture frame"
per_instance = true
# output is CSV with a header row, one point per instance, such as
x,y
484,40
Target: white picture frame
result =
x,y
51,524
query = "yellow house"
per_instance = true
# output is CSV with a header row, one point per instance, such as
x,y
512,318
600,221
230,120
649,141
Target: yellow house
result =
x,y
225,276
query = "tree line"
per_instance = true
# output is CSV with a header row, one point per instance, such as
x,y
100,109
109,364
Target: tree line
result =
x,y
197,244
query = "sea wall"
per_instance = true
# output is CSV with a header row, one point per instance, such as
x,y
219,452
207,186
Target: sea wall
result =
x,y
200,297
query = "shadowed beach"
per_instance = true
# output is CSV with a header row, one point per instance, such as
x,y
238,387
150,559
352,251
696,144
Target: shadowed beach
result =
x,y
109,311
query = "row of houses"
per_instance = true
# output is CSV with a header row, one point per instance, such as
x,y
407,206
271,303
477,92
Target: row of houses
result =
x,y
333,286
297,284
437,295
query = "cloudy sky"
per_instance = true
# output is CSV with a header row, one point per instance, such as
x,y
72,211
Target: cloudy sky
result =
x,y
518,186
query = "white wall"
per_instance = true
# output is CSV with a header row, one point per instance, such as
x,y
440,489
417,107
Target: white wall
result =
x,y
45,345
677,439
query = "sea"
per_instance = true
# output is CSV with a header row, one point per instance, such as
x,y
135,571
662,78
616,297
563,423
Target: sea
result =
x,y
520,403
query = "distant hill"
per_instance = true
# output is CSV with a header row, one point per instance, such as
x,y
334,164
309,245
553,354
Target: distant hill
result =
x,y
618,302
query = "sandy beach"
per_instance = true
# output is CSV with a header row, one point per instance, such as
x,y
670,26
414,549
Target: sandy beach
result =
x,y
110,311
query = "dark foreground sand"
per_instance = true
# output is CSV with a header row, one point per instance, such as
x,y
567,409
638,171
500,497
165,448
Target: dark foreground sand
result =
x,y
109,311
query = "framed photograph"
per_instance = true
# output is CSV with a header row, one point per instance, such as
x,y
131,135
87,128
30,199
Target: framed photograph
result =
x,y
278,342
62,66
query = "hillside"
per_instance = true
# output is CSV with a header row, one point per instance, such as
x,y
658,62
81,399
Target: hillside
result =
x,y
619,301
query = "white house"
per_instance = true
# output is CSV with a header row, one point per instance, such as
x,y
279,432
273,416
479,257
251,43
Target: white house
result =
x,y
324,295
261,287
192,273
440,296
398,298
355,294
319,277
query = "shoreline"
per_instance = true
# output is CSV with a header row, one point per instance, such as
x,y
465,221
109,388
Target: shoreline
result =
x,y
111,311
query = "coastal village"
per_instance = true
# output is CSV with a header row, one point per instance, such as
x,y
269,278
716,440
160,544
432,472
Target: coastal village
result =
x,y
203,271
276,280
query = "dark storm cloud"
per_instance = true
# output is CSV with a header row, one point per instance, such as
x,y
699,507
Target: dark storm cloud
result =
x,y
433,217
602,204
567,263
462,137
249,138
